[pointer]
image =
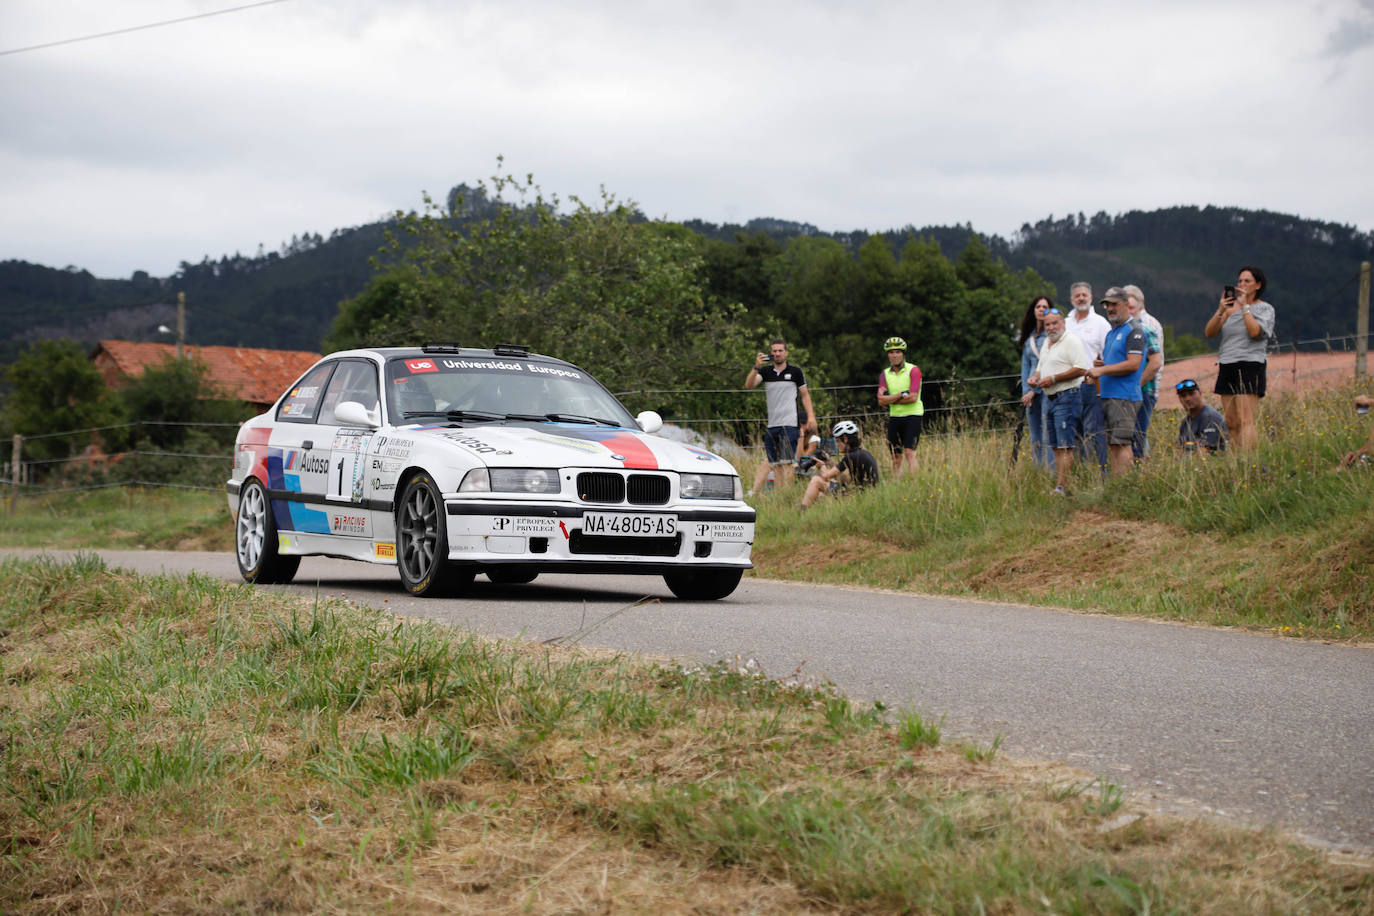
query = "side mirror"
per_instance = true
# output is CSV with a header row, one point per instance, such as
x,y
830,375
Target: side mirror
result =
x,y
649,421
351,413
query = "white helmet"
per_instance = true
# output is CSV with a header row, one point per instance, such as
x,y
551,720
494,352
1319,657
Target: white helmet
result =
x,y
845,428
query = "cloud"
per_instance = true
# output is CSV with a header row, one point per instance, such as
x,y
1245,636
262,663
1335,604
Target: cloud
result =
x,y
300,116
1352,34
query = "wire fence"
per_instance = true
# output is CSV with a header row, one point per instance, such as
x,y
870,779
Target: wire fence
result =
x,y
96,470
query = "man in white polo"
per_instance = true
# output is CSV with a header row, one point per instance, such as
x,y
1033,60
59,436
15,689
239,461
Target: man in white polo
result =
x,y
1091,330
1063,363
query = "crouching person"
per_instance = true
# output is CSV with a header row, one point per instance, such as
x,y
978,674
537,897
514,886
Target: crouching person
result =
x,y
856,466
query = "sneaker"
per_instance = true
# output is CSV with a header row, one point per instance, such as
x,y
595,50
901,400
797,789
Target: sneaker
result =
x,y
1059,491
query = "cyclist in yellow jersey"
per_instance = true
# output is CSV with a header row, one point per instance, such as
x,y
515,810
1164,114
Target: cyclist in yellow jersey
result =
x,y
899,390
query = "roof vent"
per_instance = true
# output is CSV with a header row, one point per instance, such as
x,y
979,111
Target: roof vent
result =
x,y
510,350
441,348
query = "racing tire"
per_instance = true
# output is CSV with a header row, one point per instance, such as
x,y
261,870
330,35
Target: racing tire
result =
x,y
255,540
703,584
422,543
512,575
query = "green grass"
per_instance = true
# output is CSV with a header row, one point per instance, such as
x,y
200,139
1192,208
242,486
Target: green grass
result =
x,y
184,744
164,518
1274,540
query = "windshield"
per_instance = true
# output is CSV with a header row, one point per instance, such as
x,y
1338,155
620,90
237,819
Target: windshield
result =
x,y
495,388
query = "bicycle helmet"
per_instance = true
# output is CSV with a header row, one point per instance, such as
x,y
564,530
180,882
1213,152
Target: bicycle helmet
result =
x,y
845,428
894,343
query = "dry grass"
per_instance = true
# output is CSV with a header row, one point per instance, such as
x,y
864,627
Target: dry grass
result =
x,y
586,782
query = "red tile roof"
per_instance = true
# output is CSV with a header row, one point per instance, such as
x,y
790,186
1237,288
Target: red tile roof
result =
x,y
249,374
1288,373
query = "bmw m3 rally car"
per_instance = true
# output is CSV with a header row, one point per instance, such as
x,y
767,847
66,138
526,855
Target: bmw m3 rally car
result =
x,y
449,462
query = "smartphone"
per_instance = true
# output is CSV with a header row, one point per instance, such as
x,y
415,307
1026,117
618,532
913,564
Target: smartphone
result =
x,y
1228,292
1361,409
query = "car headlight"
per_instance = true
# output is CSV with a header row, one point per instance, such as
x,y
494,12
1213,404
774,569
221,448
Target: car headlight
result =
x,y
710,486
510,480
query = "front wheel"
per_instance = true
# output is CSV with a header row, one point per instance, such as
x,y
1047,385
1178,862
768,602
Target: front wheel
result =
x,y
422,542
255,539
703,584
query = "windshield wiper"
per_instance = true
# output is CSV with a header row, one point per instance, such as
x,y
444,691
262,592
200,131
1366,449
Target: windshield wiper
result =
x,y
578,418
453,414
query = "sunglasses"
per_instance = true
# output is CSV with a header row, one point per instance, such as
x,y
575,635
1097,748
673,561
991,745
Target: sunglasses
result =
x,y
1186,385
1053,311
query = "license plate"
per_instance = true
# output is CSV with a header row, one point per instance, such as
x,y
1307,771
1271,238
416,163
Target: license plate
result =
x,y
624,523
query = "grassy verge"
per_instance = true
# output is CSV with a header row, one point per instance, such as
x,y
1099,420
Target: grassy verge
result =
x,y
1272,540
121,518
183,744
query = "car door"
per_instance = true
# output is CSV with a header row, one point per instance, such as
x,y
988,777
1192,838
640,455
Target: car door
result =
x,y
345,487
299,455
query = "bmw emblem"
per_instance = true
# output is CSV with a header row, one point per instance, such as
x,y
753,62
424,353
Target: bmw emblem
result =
x,y
617,457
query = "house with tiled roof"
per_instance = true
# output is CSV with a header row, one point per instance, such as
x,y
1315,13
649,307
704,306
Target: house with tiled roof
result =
x,y
248,374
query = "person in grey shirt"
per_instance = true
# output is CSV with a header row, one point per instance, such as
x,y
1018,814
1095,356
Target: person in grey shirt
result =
x,y
1245,323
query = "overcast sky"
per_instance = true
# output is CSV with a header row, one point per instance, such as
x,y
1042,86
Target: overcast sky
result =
x,y
212,136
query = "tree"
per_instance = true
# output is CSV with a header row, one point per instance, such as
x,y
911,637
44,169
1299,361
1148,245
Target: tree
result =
x,y
172,398
622,297
54,387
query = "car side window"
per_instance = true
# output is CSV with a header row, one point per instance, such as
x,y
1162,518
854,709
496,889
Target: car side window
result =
x,y
356,380
302,403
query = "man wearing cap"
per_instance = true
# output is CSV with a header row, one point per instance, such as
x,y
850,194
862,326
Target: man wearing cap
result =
x,y
899,390
1091,330
1118,373
1203,428
781,386
1059,373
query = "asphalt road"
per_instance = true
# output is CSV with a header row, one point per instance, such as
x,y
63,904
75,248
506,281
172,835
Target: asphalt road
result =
x,y
1244,727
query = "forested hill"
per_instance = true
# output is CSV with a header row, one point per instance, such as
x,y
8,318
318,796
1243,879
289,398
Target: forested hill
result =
x,y
1181,256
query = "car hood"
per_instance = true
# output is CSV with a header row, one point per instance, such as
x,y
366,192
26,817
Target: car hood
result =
x,y
571,445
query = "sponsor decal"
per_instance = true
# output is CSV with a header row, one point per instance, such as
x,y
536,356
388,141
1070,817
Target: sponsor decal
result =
x,y
386,551
380,487
386,465
499,365
305,462
421,365
575,444
472,443
522,525
350,438
283,540
393,447
347,524
307,391
723,531
554,370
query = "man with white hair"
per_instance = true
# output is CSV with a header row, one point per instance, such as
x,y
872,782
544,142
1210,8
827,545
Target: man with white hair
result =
x,y
1063,363
1154,361
1091,330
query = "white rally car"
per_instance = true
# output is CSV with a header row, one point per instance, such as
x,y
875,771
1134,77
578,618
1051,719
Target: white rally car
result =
x,y
449,462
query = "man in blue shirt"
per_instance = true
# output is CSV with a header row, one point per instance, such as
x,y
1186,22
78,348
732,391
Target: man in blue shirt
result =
x,y
1119,371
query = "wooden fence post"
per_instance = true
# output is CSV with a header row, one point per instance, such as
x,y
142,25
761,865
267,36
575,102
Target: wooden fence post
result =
x,y
16,463
1362,325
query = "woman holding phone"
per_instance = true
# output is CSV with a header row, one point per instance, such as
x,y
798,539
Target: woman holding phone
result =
x,y
1245,323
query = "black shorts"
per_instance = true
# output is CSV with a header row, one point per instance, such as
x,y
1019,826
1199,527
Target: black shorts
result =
x,y
1241,378
904,432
